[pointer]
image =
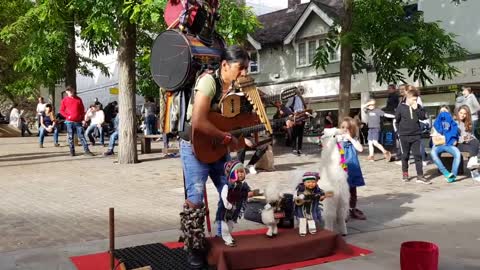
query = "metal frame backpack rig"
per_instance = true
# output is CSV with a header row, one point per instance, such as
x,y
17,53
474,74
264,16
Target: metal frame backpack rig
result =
x,y
184,51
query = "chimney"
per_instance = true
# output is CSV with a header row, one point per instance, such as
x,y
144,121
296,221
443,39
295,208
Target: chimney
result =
x,y
292,4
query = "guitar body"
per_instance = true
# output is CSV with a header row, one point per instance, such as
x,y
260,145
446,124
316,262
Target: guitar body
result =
x,y
208,149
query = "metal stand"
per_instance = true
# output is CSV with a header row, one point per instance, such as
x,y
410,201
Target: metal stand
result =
x,y
111,218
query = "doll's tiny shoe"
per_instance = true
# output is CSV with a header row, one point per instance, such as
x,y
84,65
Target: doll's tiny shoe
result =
x,y
303,234
231,244
313,232
269,236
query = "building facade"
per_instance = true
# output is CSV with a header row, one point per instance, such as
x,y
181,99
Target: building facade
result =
x,y
282,53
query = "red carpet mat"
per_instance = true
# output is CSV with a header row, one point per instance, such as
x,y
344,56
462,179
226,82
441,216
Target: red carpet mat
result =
x,y
101,261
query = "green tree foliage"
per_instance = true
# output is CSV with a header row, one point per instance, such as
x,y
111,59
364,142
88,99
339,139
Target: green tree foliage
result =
x,y
47,52
236,21
383,32
12,83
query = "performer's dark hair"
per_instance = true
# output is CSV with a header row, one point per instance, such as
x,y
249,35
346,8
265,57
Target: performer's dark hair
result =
x,y
235,54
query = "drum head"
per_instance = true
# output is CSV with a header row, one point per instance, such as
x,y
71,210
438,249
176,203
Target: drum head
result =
x,y
170,61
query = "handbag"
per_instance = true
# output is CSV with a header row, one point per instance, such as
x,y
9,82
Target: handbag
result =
x,y
438,140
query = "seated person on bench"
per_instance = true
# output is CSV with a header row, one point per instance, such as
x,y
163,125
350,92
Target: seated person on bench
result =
x,y
444,138
467,141
259,152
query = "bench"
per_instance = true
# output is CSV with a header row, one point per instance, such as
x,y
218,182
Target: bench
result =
x,y
447,160
146,142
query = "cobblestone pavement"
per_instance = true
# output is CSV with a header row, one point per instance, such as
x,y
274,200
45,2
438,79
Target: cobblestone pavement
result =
x,y
49,198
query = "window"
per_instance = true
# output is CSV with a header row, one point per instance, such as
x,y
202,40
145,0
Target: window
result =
x,y
306,52
302,54
254,66
334,57
312,47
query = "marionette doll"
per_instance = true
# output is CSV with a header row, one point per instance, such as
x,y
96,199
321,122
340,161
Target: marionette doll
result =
x,y
233,201
307,199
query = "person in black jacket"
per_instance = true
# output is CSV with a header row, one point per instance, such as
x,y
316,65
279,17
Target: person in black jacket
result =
x,y
407,119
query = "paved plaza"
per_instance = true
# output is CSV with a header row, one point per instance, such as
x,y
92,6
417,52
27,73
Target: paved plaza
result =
x,y
53,206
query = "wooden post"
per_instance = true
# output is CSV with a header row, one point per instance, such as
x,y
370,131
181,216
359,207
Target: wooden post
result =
x,y
111,216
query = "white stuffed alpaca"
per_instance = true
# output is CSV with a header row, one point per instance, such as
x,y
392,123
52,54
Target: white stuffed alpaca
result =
x,y
273,198
333,177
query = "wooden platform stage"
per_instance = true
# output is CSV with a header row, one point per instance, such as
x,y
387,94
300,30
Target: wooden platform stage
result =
x,y
257,251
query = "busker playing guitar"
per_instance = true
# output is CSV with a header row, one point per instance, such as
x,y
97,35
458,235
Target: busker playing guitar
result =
x,y
297,104
209,89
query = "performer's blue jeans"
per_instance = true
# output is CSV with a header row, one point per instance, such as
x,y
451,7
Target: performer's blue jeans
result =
x,y
196,173
453,150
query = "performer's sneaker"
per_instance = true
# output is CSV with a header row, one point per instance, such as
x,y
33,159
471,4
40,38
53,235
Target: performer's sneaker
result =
x,y
299,153
423,180
405,177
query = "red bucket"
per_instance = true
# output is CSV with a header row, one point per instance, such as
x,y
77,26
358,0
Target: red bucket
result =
x,y
417,255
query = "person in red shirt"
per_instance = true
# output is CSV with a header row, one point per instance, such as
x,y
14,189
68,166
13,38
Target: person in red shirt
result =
x,y
73,111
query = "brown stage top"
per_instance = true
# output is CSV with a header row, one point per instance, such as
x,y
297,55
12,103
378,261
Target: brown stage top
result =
x,y
256,251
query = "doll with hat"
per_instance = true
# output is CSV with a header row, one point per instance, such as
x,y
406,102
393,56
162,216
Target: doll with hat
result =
x,y
233,201
307,199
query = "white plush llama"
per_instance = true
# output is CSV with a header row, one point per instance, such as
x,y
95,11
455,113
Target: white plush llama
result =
x,y
272,196
334,178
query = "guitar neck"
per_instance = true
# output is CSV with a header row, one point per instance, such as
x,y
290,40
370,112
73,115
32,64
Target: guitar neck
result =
x,y
284,95
248,130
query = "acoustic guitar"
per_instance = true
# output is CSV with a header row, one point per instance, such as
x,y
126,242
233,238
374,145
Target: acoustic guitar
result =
x,y
209,149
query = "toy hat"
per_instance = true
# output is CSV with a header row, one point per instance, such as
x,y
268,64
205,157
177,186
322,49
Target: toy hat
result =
x,y
310,176
231,168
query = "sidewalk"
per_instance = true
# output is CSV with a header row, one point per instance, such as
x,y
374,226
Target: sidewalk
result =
x,y
54,206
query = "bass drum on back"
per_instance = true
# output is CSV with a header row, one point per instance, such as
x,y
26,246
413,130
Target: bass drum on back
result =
x,y
177,57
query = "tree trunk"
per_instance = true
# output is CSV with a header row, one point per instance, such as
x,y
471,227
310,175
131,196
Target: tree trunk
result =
x,y
127,145
345,63
72,61
51,94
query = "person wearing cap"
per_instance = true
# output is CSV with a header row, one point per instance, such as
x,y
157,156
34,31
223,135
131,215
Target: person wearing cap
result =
x,y
374,120
233,201
307,197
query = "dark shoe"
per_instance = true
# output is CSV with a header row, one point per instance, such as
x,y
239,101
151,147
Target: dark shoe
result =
x,y
88,153
357,214
41,145
196,259
423,180
405,177
56,144
72,154
299,153
108,153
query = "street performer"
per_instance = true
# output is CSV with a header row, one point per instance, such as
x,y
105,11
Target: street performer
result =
x,y
297,104
208,91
